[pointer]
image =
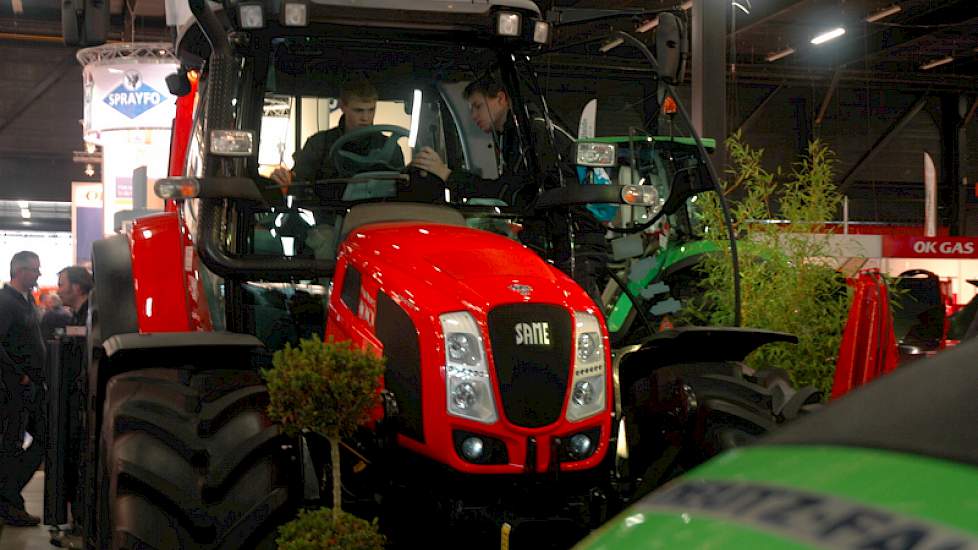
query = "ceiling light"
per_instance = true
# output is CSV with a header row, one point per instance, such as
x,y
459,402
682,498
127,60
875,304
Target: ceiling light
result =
x,y
774,56
826,36
25,213
648,25
23,204
937,63
885,12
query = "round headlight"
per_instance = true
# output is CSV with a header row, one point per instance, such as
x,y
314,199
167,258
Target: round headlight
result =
x,y
583,393
580,446
587,346
465,395
462,348
472,448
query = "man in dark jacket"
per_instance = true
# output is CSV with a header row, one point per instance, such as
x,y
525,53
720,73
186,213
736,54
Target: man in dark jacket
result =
x,y
74,285
571,237
22,366
358,103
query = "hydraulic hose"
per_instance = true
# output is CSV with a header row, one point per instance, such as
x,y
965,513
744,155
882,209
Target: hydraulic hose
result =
x,y
724,206
634,299
211,27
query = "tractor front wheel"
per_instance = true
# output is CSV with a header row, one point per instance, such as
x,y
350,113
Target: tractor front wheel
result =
x,y
190,459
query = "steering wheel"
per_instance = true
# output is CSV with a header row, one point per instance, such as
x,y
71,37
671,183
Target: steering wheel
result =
x,y
348,163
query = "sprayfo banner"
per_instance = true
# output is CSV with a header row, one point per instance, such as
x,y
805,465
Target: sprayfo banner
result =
x,y
125,95
907,246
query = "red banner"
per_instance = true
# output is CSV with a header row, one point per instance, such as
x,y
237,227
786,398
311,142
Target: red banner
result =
x,y
906,246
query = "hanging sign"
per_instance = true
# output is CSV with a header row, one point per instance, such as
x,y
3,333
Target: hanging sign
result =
x,y
125,95
908,246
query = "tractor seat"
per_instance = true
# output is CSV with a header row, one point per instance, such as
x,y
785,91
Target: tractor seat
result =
x,y
363,214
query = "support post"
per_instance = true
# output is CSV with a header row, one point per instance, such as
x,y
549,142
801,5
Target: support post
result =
x,y
952,138
710,72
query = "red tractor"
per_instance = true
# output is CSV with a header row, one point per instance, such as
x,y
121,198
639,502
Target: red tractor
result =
x,y
504,407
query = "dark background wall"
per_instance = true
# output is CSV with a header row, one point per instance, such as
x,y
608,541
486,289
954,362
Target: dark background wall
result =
x,y
887,188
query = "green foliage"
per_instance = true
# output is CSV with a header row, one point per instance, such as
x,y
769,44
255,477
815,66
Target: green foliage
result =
x,y
786,284
316,530
326,387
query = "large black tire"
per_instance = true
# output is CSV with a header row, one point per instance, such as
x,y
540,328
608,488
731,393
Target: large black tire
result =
x,y
685,414
190,459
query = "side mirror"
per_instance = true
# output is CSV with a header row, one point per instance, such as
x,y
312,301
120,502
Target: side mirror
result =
x,y
671,48
178,83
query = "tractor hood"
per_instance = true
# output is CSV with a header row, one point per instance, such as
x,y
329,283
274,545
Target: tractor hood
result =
x,y
456,264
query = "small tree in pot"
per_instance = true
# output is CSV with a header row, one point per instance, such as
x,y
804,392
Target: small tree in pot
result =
x,y
328,388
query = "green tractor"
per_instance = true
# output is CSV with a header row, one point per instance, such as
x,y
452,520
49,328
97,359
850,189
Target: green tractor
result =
x,y
655,251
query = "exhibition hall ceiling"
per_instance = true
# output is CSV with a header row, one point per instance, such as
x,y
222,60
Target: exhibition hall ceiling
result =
x,y
902,45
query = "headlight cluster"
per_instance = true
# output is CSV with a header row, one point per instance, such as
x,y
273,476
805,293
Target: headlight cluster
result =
x,y
587,396
511,24
469,388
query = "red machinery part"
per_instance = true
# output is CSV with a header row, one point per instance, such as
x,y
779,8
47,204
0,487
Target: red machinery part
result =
x,y
868,348
168,292
183,122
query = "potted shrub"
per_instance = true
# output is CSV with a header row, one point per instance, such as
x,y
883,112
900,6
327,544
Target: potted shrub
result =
x,y
328,388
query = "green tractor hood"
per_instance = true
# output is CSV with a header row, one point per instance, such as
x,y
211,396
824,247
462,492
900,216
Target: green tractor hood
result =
x,y
892,465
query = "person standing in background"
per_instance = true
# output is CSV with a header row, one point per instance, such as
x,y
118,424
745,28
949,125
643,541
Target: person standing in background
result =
x,y
74,284
22,377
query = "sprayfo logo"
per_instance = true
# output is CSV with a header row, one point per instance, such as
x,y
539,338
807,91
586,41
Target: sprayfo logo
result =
x,y
133,97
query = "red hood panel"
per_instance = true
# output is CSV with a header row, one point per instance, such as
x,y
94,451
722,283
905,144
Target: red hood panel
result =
x,y
493,267
459,252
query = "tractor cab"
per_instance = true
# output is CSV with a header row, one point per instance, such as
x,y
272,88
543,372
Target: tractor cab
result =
x,y
287,108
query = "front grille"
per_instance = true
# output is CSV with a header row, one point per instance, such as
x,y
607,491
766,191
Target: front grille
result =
x,y
531,347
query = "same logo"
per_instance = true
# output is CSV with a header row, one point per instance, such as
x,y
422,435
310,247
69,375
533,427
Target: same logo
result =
x,y
532,334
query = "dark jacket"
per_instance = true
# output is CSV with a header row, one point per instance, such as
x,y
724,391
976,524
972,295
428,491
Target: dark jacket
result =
x,y
514,185
80,318
21,346
312,163
54,319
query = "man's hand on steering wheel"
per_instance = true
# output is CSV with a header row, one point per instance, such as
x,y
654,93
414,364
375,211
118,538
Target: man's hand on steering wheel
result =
x,y
429,161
